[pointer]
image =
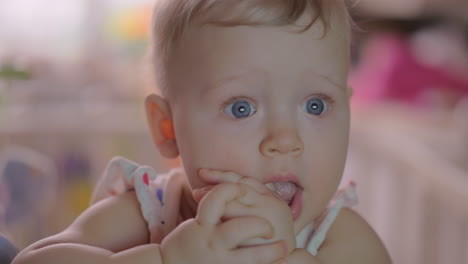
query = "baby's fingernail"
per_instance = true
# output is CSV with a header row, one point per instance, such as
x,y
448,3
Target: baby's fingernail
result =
x,y
204,171
197,194
200,192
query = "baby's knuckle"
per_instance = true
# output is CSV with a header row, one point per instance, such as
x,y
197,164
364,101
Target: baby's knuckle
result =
x,y
232,174
242,189
222,188
245,180
227,186
243,186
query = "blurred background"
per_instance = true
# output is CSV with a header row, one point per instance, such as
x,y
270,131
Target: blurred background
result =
x,y
73,75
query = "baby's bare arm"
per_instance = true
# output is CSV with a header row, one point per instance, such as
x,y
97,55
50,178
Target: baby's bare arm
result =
x,y
111,231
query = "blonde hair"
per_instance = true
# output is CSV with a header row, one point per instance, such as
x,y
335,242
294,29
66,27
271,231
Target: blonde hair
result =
x,y
172,17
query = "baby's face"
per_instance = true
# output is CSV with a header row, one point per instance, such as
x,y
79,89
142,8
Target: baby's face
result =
x,y
265,103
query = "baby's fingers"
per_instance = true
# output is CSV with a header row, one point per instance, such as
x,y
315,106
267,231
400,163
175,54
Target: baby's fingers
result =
x,y
213,205
237,231
266,253
199,193
217,176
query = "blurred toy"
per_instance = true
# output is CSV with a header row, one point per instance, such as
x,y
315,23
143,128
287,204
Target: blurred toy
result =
x,y
75,171
132,24
395,68
157,197
29,179
130,28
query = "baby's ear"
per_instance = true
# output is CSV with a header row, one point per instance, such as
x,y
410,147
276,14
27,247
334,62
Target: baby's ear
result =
x,y
159,118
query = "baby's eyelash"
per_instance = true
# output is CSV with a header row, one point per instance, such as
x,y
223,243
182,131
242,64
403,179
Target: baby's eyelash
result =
x,y
234,99
324,97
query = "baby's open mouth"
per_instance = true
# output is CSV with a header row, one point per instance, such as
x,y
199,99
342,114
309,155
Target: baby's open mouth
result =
x,y
285,190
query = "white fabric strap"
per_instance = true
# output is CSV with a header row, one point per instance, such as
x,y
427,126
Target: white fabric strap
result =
x,y
347,198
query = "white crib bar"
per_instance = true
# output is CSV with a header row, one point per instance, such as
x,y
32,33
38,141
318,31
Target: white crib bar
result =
x,y
420,199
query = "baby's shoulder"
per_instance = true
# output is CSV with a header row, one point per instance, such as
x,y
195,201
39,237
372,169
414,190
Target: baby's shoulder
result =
x,y
354,239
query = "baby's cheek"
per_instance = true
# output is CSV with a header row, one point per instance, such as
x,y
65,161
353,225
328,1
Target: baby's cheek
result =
x,y
319,187
233,157
318,198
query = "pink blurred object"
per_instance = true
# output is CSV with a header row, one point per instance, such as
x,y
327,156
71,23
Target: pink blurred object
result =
x,y
390,71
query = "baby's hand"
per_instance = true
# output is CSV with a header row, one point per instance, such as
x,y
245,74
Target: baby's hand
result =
x,y
210,239
258,201
300,256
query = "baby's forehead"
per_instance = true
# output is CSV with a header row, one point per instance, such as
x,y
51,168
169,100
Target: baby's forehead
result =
x,y
173,24
256,54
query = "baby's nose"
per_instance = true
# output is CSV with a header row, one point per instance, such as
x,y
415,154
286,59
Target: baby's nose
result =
x,y
282,143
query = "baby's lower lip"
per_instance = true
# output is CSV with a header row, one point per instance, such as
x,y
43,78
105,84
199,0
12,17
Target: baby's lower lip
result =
x,y
296,204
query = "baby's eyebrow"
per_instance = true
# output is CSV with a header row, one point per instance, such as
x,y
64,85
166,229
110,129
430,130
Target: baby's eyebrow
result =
x,y
239,77
313,75
257,74
330,81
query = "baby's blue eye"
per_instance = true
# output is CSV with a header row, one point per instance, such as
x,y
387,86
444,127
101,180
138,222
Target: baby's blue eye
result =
x,y
315,106
240,109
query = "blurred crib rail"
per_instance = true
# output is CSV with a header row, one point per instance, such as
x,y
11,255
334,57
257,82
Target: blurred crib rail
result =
x,y
411,188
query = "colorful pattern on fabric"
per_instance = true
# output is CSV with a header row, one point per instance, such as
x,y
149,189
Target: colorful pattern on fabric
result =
x,y
159,195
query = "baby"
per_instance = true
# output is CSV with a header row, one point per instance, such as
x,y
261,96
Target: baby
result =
x,y
254,99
